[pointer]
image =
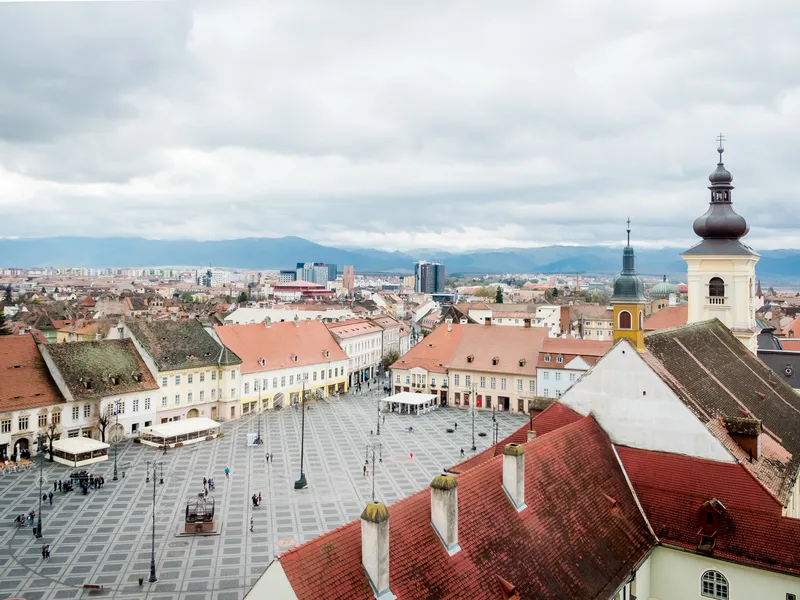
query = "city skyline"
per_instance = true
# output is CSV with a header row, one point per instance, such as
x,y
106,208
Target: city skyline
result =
x,y
495,128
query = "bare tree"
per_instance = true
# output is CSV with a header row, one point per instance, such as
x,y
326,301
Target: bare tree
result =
x,y
51,432
102,421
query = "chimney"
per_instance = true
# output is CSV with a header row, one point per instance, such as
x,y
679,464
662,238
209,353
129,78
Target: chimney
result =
x,y
514,475
98,337
296,321
375,548
268,322
531,434
444,511
449,322
487,321
746,432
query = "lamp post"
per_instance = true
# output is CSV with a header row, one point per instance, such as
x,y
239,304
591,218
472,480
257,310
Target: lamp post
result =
x,y
153,577
373,447
258,413
116,436
474,447
302,483
40,447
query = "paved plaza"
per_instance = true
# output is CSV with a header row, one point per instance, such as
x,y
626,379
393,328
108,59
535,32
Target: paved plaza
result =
x,y
105,537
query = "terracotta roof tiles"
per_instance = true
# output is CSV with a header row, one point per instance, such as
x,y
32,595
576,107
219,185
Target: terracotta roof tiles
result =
x,y
279,343
25,381
564,501
668,317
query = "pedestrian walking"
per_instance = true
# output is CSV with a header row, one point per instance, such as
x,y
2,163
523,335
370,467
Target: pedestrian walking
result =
x,y
50,497
365,470
384,419
59,485
44,497
267,457
205,482
55,485
251,524
259,498
227,472
455,426
47,552
44,551
462,453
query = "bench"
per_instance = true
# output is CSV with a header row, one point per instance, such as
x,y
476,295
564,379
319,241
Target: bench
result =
x,y
92,586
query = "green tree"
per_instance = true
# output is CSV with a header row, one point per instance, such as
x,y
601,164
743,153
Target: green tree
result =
x,y
8,299
555,292
485,292
242,297
187,297
388,360
498,299
4,330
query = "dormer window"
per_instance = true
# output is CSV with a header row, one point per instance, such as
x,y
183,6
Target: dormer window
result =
x,y
547,358
559,359
262,362
114,380
522,362
495,361
470,358
294,357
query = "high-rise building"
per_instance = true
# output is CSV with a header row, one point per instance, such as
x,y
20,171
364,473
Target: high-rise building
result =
x,y
331,272
287,276
429,277
314,272
349,278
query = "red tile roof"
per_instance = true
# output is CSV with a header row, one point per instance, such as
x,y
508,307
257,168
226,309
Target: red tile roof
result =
x,y
432,352
672,488
509,345
276,344
667,317
790,345
550,419
352,328
25,381
545,551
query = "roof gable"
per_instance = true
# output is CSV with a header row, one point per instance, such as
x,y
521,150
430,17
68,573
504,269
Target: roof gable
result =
x,y
636,408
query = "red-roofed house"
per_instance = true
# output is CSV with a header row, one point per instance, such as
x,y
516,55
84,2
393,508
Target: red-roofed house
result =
x,y
29,397
507,528
361,340
278,358
562,361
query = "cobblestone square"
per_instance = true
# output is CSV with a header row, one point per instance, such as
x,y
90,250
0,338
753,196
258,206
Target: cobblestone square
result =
x,y
105,537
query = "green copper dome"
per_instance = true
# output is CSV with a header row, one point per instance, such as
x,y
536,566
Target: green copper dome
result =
x,y
628,287
663,289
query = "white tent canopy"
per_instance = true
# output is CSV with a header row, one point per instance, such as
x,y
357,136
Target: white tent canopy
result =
x,y
78,445
185,431
409,402
79,451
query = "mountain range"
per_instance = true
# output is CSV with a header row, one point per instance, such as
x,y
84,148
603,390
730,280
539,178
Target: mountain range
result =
x,y
775,266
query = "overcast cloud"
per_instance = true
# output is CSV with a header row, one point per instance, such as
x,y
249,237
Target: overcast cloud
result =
x,y
398,124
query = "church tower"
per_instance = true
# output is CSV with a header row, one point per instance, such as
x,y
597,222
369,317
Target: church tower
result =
x,y
629,300
722,270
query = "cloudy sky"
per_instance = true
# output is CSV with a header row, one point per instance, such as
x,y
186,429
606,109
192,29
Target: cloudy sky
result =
x,y
398,124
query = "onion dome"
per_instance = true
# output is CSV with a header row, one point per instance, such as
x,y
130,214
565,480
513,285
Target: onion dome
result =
x,y
663,289
628,287
720,221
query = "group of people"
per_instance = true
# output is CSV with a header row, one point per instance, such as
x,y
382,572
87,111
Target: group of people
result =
x,y
256,500
208,485
46,497
45,551
22,520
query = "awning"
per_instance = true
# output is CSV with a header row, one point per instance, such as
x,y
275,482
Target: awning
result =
x,y
78,445
178,428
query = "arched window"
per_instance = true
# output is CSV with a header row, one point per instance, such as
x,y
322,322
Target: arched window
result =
x,y
716,288
625,320
714,585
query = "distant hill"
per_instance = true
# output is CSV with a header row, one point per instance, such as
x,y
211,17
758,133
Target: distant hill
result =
x,y
283,253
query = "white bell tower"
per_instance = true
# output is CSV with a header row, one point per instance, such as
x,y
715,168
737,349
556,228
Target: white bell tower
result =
x,y
722,270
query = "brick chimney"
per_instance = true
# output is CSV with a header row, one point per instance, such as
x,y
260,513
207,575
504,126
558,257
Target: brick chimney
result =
x,y
444,511
514,475
375,548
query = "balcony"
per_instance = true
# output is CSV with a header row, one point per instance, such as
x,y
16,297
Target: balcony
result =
x,y
717,300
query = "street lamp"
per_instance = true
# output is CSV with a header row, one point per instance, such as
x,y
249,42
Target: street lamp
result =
x,y
474,447
40,447
116,437
302,483
153,577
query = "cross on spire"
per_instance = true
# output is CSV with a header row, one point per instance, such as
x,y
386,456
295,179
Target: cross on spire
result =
x,y
720,139
720,148
629,231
